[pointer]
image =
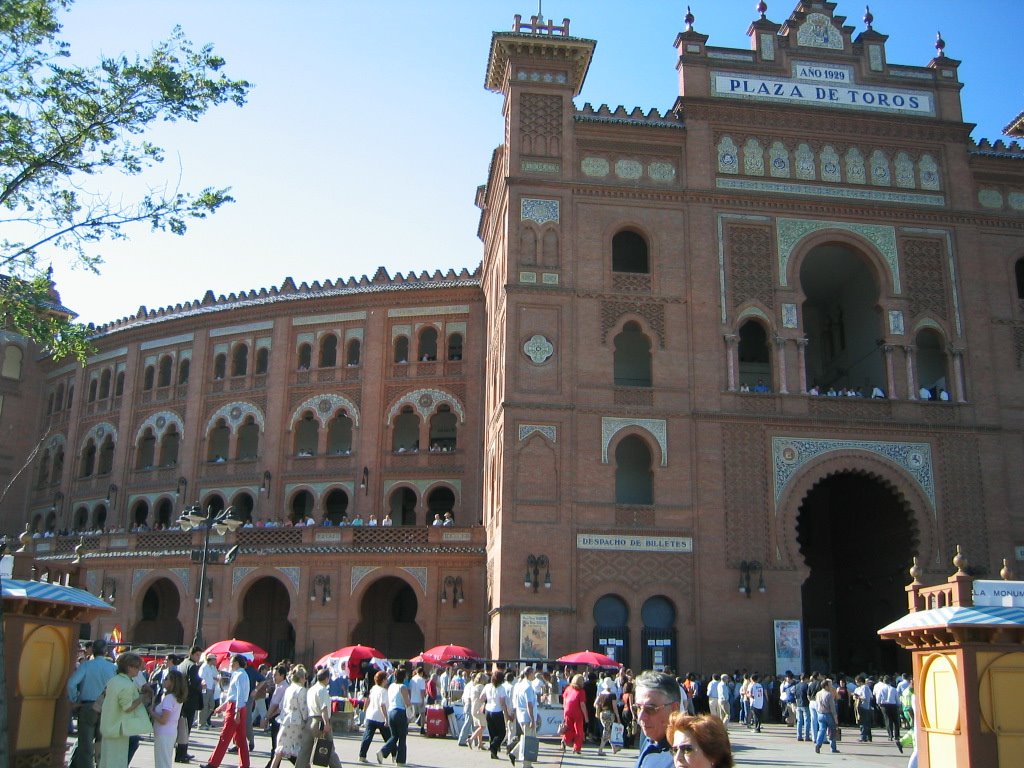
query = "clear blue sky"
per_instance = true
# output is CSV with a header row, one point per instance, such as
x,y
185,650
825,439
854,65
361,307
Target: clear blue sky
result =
x,y
369,129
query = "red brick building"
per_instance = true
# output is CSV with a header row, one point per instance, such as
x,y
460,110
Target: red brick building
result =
x,y
650,412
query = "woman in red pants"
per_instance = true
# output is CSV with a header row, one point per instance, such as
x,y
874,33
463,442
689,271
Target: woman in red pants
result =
x,y
574,708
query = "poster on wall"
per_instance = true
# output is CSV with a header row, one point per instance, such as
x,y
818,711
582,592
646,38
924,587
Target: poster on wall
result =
x,y
788,646
533,636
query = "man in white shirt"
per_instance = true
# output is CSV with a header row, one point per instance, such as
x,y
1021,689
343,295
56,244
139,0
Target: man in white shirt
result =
x,y
888,701
712,692
724,692
863,698
757,701
524,700
211,687
417,696
318,699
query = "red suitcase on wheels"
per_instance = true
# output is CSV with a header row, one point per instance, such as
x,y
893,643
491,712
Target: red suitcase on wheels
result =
x,y
437,722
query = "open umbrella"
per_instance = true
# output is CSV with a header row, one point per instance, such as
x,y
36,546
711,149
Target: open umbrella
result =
x,y
446,654
351,657
590,658
226,648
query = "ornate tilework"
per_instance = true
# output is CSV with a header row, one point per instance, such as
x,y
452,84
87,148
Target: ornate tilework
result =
x,y
527,277
159,422
549,431
880,174
904,171
234,414
293,574
238,574
830,170
629,169
855,172
929,173
848,193
420,574
539,211
990,198
360,572
728,156
753,158
661,171
658,428
97,433
327,537
789,316
1016,200
92,582
789,454
538,349
896,326
425,401
768,47
549,278
817,32
595,167
790,231
325,406
875,58
183,575
778,160
804,162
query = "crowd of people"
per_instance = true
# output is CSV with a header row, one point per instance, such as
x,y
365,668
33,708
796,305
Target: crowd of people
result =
x,y
670,720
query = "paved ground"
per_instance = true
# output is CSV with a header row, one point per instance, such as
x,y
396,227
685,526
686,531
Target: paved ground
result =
x,y
776,746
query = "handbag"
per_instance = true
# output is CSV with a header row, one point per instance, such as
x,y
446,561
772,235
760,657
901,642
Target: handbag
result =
x,y
617,735
531,749
322,751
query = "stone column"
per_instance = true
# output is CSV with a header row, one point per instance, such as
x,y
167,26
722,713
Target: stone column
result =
x,y
890,373
908,350
732,361
959,392
801,363
780,347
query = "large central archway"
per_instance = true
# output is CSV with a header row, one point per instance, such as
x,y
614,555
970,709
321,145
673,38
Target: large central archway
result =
x,y
387,619
159,611
265,618
856,535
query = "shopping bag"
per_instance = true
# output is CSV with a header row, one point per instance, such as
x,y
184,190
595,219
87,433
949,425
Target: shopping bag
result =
x,y
530,749
618,734
322,751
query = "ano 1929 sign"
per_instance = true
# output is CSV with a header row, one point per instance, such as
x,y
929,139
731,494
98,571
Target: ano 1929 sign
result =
x,y
824,92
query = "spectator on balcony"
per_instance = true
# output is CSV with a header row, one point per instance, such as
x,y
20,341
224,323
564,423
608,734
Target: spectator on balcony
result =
x,y
925,394
309,521
387,522
877,393
943,395
357,520
448,520
372,521
437,520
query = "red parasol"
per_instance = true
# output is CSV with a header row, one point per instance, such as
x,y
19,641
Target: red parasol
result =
x,y
446,654
227,648
591,659
352,657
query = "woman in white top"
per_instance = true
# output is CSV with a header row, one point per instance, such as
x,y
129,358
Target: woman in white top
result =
x,y
496,711
399,703
292,716
476,710
165,717
376,718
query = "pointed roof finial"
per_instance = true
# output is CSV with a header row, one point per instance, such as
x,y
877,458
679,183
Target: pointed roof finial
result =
x,y
762,8
915,572
868,18
959,561
1005,573
688,19
940,45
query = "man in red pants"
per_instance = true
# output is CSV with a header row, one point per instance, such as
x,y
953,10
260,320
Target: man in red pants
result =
x,y
235,716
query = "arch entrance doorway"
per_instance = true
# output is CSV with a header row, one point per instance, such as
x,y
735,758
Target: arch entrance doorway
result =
x,y
265,618
161,605
387,619
858,536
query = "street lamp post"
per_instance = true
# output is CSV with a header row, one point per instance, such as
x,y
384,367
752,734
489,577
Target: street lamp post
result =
x,y
223,522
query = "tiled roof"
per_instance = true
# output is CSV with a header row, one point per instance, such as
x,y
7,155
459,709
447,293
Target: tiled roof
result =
x,y
604,114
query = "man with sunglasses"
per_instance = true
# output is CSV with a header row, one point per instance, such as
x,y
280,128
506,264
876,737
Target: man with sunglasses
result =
x,y
657,697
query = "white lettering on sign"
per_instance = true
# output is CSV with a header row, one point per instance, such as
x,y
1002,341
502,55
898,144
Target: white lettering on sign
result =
x,y
1005,594
821,72
676,544
890,100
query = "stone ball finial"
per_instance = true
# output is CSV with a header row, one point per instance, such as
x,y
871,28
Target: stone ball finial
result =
x,y
959,561
915,572
940,45
869,19
79,549
689,19
1005,573
762,8
25,537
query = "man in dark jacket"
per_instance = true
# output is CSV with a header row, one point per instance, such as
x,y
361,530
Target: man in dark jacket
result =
x,y
193,702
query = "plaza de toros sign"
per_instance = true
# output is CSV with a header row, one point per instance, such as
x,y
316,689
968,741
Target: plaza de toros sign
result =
x,y
823,85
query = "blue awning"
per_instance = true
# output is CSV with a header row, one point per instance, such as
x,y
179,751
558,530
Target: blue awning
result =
x,y
958,616
18,589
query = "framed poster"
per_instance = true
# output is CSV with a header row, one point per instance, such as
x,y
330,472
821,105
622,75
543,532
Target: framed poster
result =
x,y
789,652
533,636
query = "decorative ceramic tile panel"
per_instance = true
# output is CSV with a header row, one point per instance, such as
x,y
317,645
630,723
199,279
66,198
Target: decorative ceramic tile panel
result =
x,y
661,172
789,316
92,582
789,454
728,156
183,576
658,428
97,433
928,170
238,574
880,175
768,47
234,414
537,166
595,167
360,572
420,574
990,198
538,349
830,170
790,231
896,327
804,162
325,406
817,32
527,277
539,211
778,160
846,193
425,401
905,171
448,309
753,158
1016,200
855,170
875,58
549,278
327,537
293,574
629,169
549,431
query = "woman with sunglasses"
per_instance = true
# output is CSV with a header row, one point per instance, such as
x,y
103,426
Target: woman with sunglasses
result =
x,y
698,742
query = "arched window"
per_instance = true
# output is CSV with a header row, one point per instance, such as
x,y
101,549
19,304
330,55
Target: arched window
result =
x,y
632,357
163,378
754,359
339,434
81,519
428,345
217,443
119,384
146,452
406,437
58,464
147,379
220,366
93,386
336,506
629,253
455,346
301,506
58,403
88,463
402,349
307,435
248,439
1019,272
164,513
140,513
240,360
99,517
611,628
243,504
183,370
658,636
931,365
169,446
403,506
352,353
305,356
44,470
262,360
441,501
215,502
13,360
634,482
443,431
105,384
328,351
106,456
